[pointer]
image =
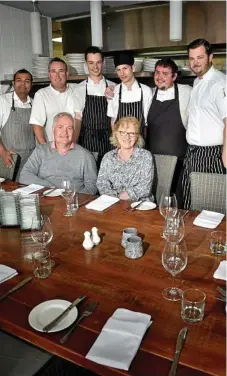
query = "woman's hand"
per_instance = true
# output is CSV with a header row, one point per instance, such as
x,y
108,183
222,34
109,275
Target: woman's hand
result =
x,y
123,196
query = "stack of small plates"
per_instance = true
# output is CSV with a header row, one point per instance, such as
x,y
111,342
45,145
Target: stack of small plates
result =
x,y
29,209
149,65
9,215
40,66
138,65
75,63
108,67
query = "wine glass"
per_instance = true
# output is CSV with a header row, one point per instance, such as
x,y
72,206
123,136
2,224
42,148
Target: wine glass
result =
x,y
68,192
41,232
174,228
168,204
174,260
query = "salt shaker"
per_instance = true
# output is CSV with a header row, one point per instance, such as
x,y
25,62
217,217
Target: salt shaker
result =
x,y
95,236
88,242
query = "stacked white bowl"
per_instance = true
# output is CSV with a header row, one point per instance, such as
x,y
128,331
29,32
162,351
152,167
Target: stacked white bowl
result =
x,y
40,66
138,65
75,63
149,65
108,67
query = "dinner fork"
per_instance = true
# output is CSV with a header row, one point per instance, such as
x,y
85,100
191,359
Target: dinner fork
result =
x,y
88,311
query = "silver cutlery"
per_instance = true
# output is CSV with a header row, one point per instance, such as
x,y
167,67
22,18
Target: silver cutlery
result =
x,y
222,298
88,311
83,202
54,322
179,346
47,194
221,290
15,288
129,208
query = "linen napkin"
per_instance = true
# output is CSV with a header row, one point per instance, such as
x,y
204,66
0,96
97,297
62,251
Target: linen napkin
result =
x,y
208,219
101,203
221,273
29,189
6,273
120,339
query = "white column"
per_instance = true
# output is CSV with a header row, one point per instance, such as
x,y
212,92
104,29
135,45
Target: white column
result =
x,y
36,35
175,20
96,23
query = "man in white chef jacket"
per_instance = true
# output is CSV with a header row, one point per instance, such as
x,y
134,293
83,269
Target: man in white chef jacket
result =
x,y
207,116
49,101
131,98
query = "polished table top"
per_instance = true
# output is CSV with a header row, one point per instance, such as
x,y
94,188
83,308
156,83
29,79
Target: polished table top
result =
x,y
105,275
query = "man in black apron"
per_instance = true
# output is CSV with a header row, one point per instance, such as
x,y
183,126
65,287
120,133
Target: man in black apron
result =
x,y
92,123
16,133
167,118
130,97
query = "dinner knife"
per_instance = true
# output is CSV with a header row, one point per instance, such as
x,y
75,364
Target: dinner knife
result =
x,y
15,288
180,343
54,322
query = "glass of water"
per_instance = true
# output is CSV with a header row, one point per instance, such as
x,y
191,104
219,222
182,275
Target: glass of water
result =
x,y
174,229
174,260
192,305
42,233
68,192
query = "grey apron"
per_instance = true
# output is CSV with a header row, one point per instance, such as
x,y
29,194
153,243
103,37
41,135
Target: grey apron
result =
x,y
17,134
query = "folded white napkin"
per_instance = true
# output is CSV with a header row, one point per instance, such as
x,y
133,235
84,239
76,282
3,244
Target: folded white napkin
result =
x,y
6,273
221,272
208,219
101,203
29,189
120,339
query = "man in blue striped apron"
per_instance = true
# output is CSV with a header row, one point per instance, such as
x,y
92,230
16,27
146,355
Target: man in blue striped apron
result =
x,y
130,97
92,123
16,133
207,116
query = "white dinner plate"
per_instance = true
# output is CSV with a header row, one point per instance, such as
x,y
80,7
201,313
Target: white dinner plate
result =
x,y
2,180
55,193
47,311
146,205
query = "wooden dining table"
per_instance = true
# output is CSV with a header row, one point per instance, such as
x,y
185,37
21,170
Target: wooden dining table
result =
x,y
106,276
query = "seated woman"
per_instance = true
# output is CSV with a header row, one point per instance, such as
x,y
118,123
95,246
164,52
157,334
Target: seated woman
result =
x,y
127,171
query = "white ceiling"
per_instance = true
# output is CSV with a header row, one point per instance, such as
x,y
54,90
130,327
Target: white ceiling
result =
x,y
61,8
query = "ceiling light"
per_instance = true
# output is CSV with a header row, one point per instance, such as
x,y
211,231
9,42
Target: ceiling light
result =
x,y
175,20
59,39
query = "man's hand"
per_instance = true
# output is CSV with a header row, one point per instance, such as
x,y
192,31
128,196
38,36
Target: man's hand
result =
x,y
109,92
7,159
123,196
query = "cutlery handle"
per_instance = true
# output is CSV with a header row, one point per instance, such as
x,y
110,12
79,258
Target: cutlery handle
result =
x,y
173,369
66,336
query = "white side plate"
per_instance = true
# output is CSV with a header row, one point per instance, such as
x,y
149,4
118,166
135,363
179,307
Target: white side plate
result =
x,y
47,311
146,205
55,193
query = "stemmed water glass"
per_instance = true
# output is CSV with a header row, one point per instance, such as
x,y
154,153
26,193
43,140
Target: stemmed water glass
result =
x,y
167,205
68,191
41,232
174,228
174,260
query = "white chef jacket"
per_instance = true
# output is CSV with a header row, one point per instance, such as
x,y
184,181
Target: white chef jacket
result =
x,y
6,104
49,102
184,98
207,109
92,89
129,96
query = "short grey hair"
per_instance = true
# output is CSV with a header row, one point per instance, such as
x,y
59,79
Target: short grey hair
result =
x,y
62,114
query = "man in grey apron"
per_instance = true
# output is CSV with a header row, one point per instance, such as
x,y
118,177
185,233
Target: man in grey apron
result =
x,y
16,133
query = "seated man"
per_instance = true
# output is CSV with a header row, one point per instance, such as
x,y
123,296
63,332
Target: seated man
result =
x,y
61,159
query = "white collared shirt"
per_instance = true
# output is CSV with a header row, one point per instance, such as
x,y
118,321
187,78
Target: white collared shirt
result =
x,y
129,96
184,98
92,89
48,102
6,104
207,109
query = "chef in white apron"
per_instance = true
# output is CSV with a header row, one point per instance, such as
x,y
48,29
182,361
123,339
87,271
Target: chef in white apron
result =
x,y
16,133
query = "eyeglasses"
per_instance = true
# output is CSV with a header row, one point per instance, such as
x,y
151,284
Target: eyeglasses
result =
x,y
129,134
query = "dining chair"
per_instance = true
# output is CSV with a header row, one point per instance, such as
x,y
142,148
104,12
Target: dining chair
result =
x,y
164,167
208,191
9,173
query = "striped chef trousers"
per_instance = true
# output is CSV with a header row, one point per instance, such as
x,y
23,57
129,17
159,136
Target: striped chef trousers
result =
x,y
200,159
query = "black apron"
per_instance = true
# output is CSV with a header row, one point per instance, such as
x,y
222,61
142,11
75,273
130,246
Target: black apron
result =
x,y
166,133
96,125
17,134
134,109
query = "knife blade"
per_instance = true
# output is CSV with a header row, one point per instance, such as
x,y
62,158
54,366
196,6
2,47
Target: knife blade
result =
x,y
54,322
47,192
179,346
15,288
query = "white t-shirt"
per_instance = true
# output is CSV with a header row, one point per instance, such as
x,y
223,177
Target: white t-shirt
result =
x,y
129,96
207,109
92,89
184,98
48,102
6,104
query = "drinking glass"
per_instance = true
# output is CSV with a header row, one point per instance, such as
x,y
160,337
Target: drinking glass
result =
x,y
193,305
41,232
168,204
42,263
174,229
68,192
174,260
